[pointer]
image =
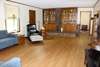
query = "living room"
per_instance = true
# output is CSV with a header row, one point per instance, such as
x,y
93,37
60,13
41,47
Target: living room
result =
x,y
63,31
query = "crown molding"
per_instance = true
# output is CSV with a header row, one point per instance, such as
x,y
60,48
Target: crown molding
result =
x,y
23,4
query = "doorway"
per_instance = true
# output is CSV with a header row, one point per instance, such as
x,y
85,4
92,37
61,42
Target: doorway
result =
x,y
85,20
32,17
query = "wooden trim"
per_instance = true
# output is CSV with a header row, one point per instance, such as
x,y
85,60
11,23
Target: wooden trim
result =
x,y
96,3
23,4
43,17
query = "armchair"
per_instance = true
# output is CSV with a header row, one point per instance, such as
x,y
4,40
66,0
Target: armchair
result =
x,y
33,34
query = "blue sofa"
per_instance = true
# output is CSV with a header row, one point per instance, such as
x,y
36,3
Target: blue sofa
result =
x,y
14,62
7,40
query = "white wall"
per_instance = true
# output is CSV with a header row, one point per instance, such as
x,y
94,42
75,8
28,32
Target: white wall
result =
x,y
24,17
97,7
2,15
83,9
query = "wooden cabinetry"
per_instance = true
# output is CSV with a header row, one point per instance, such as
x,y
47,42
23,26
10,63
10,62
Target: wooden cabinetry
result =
x,y
69,19
69,27
21,40
69,15
49,16
55,19
50,19
51,27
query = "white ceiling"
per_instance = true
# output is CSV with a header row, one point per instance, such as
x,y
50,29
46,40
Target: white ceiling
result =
x,y
58,3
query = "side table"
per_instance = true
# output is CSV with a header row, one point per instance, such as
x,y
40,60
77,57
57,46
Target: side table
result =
x,y
44,33
21,40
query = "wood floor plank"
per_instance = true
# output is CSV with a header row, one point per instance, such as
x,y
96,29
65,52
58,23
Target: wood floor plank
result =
x,y
55,51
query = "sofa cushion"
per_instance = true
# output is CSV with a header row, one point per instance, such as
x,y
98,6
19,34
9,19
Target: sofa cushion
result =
x,y
7,42
3,34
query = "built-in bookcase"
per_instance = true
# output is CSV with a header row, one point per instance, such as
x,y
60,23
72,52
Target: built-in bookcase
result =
x,y
60,18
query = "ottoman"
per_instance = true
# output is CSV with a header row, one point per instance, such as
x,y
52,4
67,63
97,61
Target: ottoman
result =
x,y
36,38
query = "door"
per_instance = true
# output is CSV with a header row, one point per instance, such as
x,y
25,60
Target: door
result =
x,y
85,20
32,17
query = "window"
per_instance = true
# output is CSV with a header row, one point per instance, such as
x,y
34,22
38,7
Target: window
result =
x,y
12,18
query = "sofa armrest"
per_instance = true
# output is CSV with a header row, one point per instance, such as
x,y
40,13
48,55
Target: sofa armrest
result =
x,y
14,62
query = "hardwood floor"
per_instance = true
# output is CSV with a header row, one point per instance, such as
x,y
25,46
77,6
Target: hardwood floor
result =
x,y
58,51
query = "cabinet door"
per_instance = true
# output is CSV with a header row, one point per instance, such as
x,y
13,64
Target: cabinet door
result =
x,y
72,27
69,27
51,27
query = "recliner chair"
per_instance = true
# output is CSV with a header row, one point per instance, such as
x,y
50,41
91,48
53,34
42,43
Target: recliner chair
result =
x,y
33,34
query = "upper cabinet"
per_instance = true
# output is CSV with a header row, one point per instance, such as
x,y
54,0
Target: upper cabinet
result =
x,y
49,16
66,15
69,15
